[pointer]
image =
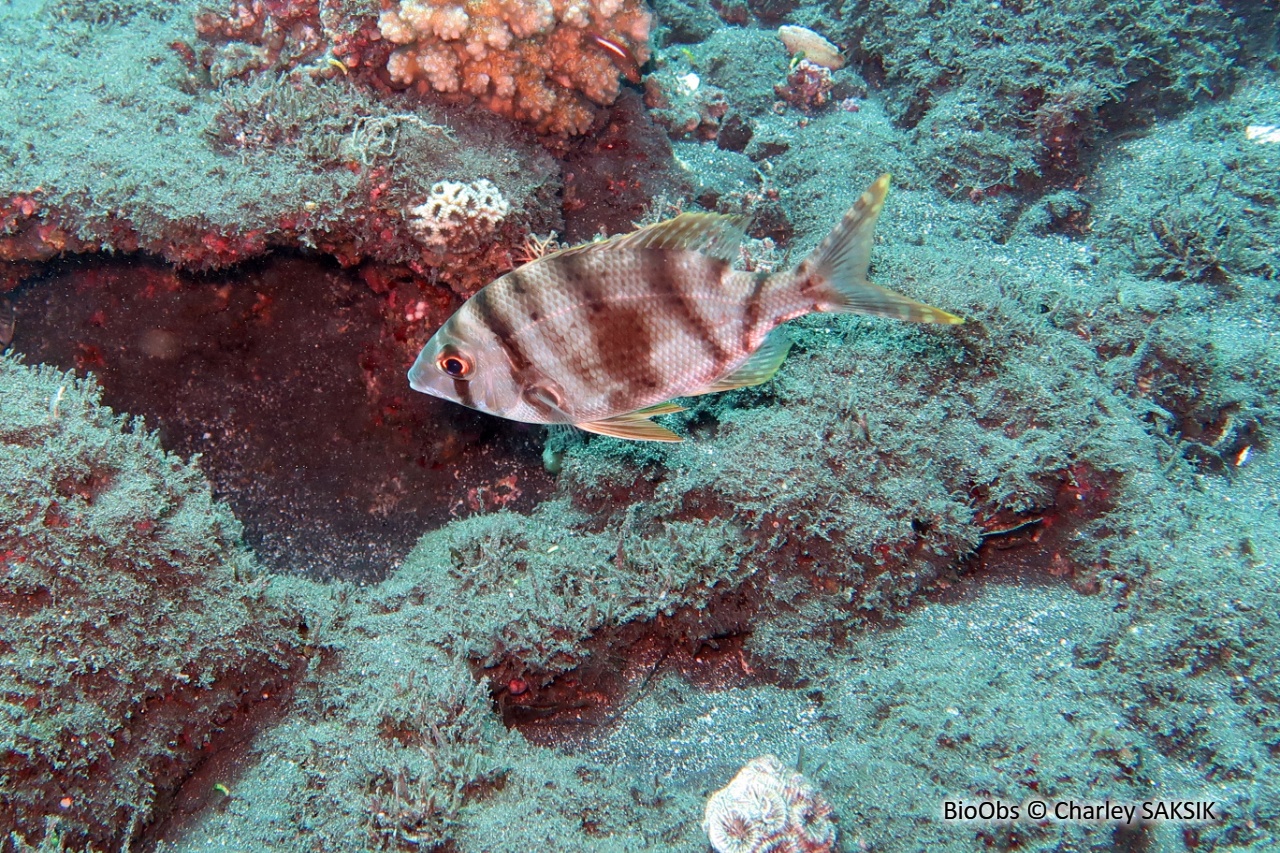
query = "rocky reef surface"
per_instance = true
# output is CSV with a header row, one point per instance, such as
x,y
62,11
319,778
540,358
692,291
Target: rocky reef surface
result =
x,y
1033,556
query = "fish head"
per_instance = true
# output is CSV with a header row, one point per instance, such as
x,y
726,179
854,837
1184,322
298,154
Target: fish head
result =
x,y
464,363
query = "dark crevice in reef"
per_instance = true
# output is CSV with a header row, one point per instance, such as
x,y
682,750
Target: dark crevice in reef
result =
x,y
708,645
286,376
1039,546
705,647
222,759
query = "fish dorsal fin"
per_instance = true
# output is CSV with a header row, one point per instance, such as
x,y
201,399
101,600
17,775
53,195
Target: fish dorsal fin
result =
x,y
759,368
636,426
712,234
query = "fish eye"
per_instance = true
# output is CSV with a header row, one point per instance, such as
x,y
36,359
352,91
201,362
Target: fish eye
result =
x,y
455,364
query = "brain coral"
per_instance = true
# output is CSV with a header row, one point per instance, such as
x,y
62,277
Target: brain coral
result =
x,y
459,216
541,62
768,808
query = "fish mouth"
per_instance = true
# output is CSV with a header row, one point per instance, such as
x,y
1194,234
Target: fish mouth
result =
x,y
425,378
419,378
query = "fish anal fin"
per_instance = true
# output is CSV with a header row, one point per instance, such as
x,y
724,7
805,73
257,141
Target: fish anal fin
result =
x,y
636,426
757,369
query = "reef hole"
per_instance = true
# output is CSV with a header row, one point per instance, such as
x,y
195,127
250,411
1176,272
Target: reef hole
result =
x,y
577,706
287,378
1040,547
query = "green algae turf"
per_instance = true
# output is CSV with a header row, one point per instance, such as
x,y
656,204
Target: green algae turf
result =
x,y
1007,94
133,632
103,123
1016,690
1081,348
1002,96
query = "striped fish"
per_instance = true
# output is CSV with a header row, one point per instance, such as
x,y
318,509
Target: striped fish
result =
x,y
605,335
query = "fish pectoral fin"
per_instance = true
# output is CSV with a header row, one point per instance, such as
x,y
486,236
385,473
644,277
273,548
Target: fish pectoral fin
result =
x,y
636,426
757,369
546,397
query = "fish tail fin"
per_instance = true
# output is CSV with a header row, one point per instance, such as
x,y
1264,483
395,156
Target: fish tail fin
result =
x,y
834,277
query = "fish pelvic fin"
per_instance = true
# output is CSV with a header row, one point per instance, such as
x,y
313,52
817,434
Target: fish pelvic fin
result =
x,y
636,426
835,275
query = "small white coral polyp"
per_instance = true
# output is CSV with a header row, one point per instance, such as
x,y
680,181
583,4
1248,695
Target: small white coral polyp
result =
x,y
458,216
541,62
768,807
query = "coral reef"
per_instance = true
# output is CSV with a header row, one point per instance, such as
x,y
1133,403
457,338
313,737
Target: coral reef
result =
x,y
543,63
253,36
546,64
207,174
1030,556
136,636
1008,96
769,808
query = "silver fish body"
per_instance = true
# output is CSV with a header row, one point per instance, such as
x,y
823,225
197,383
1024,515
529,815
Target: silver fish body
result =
x,y
604,336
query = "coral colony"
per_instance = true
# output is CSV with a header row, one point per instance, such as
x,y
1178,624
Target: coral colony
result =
x,y
538,62
459,216
768,808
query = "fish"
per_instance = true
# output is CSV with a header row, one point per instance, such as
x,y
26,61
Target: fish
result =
x,y
608,335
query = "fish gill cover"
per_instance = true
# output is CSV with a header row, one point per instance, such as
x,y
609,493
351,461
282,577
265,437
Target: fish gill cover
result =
x,y
1029,556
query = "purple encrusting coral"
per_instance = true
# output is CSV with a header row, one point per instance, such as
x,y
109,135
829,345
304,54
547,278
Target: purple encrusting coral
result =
x,y
1026,557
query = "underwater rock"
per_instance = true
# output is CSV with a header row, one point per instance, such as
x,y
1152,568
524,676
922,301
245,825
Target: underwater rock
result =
x,y
205,169
137,640
683,104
